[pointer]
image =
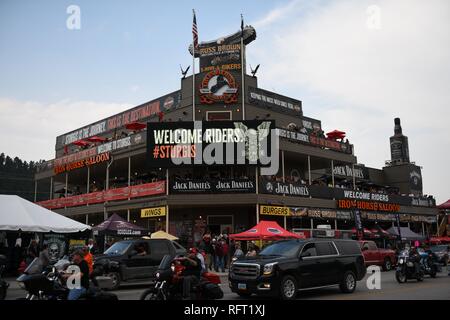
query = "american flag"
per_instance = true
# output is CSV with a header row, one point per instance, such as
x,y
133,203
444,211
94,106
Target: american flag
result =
x,y
194,32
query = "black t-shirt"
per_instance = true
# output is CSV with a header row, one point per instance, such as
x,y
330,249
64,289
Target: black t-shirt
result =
x,y
84,269
193,270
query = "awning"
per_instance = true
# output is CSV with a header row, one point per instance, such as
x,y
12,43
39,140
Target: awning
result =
x,y
265,230
18,214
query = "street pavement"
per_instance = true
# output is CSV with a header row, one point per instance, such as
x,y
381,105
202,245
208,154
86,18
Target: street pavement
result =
x,y
429,289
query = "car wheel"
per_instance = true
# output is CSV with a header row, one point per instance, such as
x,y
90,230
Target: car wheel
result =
x,y
288,288
244,294
348,284
115,277
387,265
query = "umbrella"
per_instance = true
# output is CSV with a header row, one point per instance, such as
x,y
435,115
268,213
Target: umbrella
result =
x,y
162,235
445,205
80,143
96,139
115,225
135,126
336,134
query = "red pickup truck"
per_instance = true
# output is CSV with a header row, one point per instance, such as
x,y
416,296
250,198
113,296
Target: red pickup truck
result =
x,y
374,256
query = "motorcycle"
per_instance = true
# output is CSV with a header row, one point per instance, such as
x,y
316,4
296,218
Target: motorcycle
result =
x,y
168,283
406,268
3,284
48,284
429,262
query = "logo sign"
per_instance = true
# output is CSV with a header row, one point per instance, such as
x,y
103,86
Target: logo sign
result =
x,y
415,178
280,188
153,212
212,186
218,86
222,56
274,211
210,142
102,157
367,205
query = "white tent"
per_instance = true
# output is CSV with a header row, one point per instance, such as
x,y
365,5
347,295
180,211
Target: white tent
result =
x,y
17,214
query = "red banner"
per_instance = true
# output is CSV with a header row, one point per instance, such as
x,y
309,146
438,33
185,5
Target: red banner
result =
x,y
141,190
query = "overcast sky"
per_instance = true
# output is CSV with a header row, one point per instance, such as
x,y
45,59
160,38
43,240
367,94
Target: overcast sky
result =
x,y
355,64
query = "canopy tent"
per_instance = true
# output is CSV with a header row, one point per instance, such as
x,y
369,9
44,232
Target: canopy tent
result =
x,y
116,226
445,205
162,235
18,214
81,143
265,230
406,233
96,139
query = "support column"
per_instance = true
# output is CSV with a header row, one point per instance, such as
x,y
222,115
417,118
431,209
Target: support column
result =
x,y
335,224
282,165
167,182
51,188
128,215
309,170
353,176
35,190
256,180
129,171
312,225
88,182
423,229
285,222
332,173
67,184
257,213
107,178
167,219
87,219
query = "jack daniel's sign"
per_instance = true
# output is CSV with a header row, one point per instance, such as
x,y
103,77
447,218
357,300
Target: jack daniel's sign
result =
x,y
288,189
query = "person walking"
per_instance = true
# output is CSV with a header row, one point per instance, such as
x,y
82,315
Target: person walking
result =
x,y
219,265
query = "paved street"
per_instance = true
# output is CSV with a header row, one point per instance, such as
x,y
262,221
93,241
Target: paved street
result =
x,y
433,289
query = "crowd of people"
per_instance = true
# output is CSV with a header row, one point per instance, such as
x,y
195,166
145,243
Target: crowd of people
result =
x,y
218,251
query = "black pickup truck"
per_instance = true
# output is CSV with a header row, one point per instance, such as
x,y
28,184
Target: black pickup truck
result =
x,y
285,267
132,260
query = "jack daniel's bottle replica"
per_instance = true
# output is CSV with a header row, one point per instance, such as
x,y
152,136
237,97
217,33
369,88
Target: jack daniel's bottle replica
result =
x,y
399,145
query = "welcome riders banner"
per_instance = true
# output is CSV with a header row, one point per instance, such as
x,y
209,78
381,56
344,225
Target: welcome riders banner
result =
x,y
210,142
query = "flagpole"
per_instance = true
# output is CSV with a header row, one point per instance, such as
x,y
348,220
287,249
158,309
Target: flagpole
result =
x,y
193,74
242,68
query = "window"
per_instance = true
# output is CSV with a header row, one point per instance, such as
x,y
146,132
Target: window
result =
x,y
372,245
325,249
309,250
159,248
348,247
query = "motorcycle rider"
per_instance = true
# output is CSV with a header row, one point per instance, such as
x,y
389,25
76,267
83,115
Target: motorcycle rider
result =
x,y
78,260
415,258
191,273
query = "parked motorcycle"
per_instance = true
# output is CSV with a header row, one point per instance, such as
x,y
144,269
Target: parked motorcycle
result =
x,y
168,284
406,269
48,284
3,284
430,263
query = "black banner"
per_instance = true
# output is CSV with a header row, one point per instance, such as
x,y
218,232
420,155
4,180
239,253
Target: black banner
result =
x,y
142,112
183,186
284,188
209,142
267,99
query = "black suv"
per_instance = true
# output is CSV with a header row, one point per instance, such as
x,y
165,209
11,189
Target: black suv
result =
x,y
284,267
135,259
